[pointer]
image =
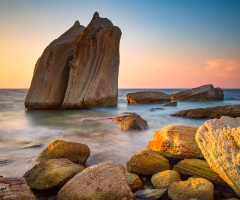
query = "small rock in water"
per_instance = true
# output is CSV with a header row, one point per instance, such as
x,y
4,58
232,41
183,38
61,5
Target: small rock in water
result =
x,y
133,122
153,109
31,144
96,119
174,103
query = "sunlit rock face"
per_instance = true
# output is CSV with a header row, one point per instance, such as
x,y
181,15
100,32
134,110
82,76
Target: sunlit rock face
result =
x,y
219,141
205,92
93,78
79,69
50,78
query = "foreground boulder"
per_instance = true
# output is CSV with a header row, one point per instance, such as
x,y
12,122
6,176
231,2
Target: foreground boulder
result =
x,y
50,78
193,188
75,152
134,181
198,168
219,141
205,92
15,188
52,174
163,180
93,77
102,181
211,112
176,141
147,97
147,163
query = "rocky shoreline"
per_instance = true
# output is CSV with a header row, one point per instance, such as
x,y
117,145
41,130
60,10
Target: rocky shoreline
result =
x,y
177,164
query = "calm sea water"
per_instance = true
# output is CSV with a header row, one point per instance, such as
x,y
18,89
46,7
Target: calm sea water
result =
x,y
106,142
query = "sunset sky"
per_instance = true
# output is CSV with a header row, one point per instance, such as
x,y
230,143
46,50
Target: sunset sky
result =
x,y
164,44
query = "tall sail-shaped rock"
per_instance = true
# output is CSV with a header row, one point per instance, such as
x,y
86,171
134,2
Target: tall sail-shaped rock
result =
x,y
93,78
51,72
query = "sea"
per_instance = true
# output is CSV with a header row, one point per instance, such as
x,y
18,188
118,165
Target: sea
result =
x,y
24,134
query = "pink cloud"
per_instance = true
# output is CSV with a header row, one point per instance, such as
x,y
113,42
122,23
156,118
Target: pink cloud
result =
x,y
223,67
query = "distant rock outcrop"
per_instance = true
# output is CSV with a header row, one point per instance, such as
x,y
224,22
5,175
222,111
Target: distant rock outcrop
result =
x,y
219,141
93,77
50,78
176,141
148,97
211,112
79,69
205,92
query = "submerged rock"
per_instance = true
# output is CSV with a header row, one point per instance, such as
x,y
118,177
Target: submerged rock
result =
x,y
198,168
52,174
219,141
205,92
5,161
176,141
174,103
211,112
75,152
15,188
153,194
134,181
147,97
50,78
102,181
163,180
153,109
133,122
93,77
193,188
147,163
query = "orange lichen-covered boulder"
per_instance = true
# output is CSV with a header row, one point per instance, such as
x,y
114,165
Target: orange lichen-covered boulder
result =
x,y
15,188
102,181
147,163
75,152
219,141
148,97
193,188
176,141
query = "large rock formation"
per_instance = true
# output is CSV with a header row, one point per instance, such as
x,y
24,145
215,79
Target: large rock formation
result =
x,y
148,97
176,141
79,69
75,152
50,78
93,78
211,112
205,92
219,141
147,163
15,188
198,168
52,174
102,181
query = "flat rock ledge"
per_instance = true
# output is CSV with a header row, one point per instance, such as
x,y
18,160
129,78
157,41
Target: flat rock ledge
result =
x,y
202,93
211,112
219,141
148,97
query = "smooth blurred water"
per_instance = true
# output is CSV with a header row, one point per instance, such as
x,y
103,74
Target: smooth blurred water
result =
x,y
105,140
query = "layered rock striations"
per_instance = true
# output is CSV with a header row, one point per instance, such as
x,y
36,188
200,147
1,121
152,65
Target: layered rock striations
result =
x,y
79,69
219,141
148,97
51,73
93,78
205,92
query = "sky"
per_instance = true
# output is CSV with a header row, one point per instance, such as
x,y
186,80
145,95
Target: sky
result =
x,y
164,43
